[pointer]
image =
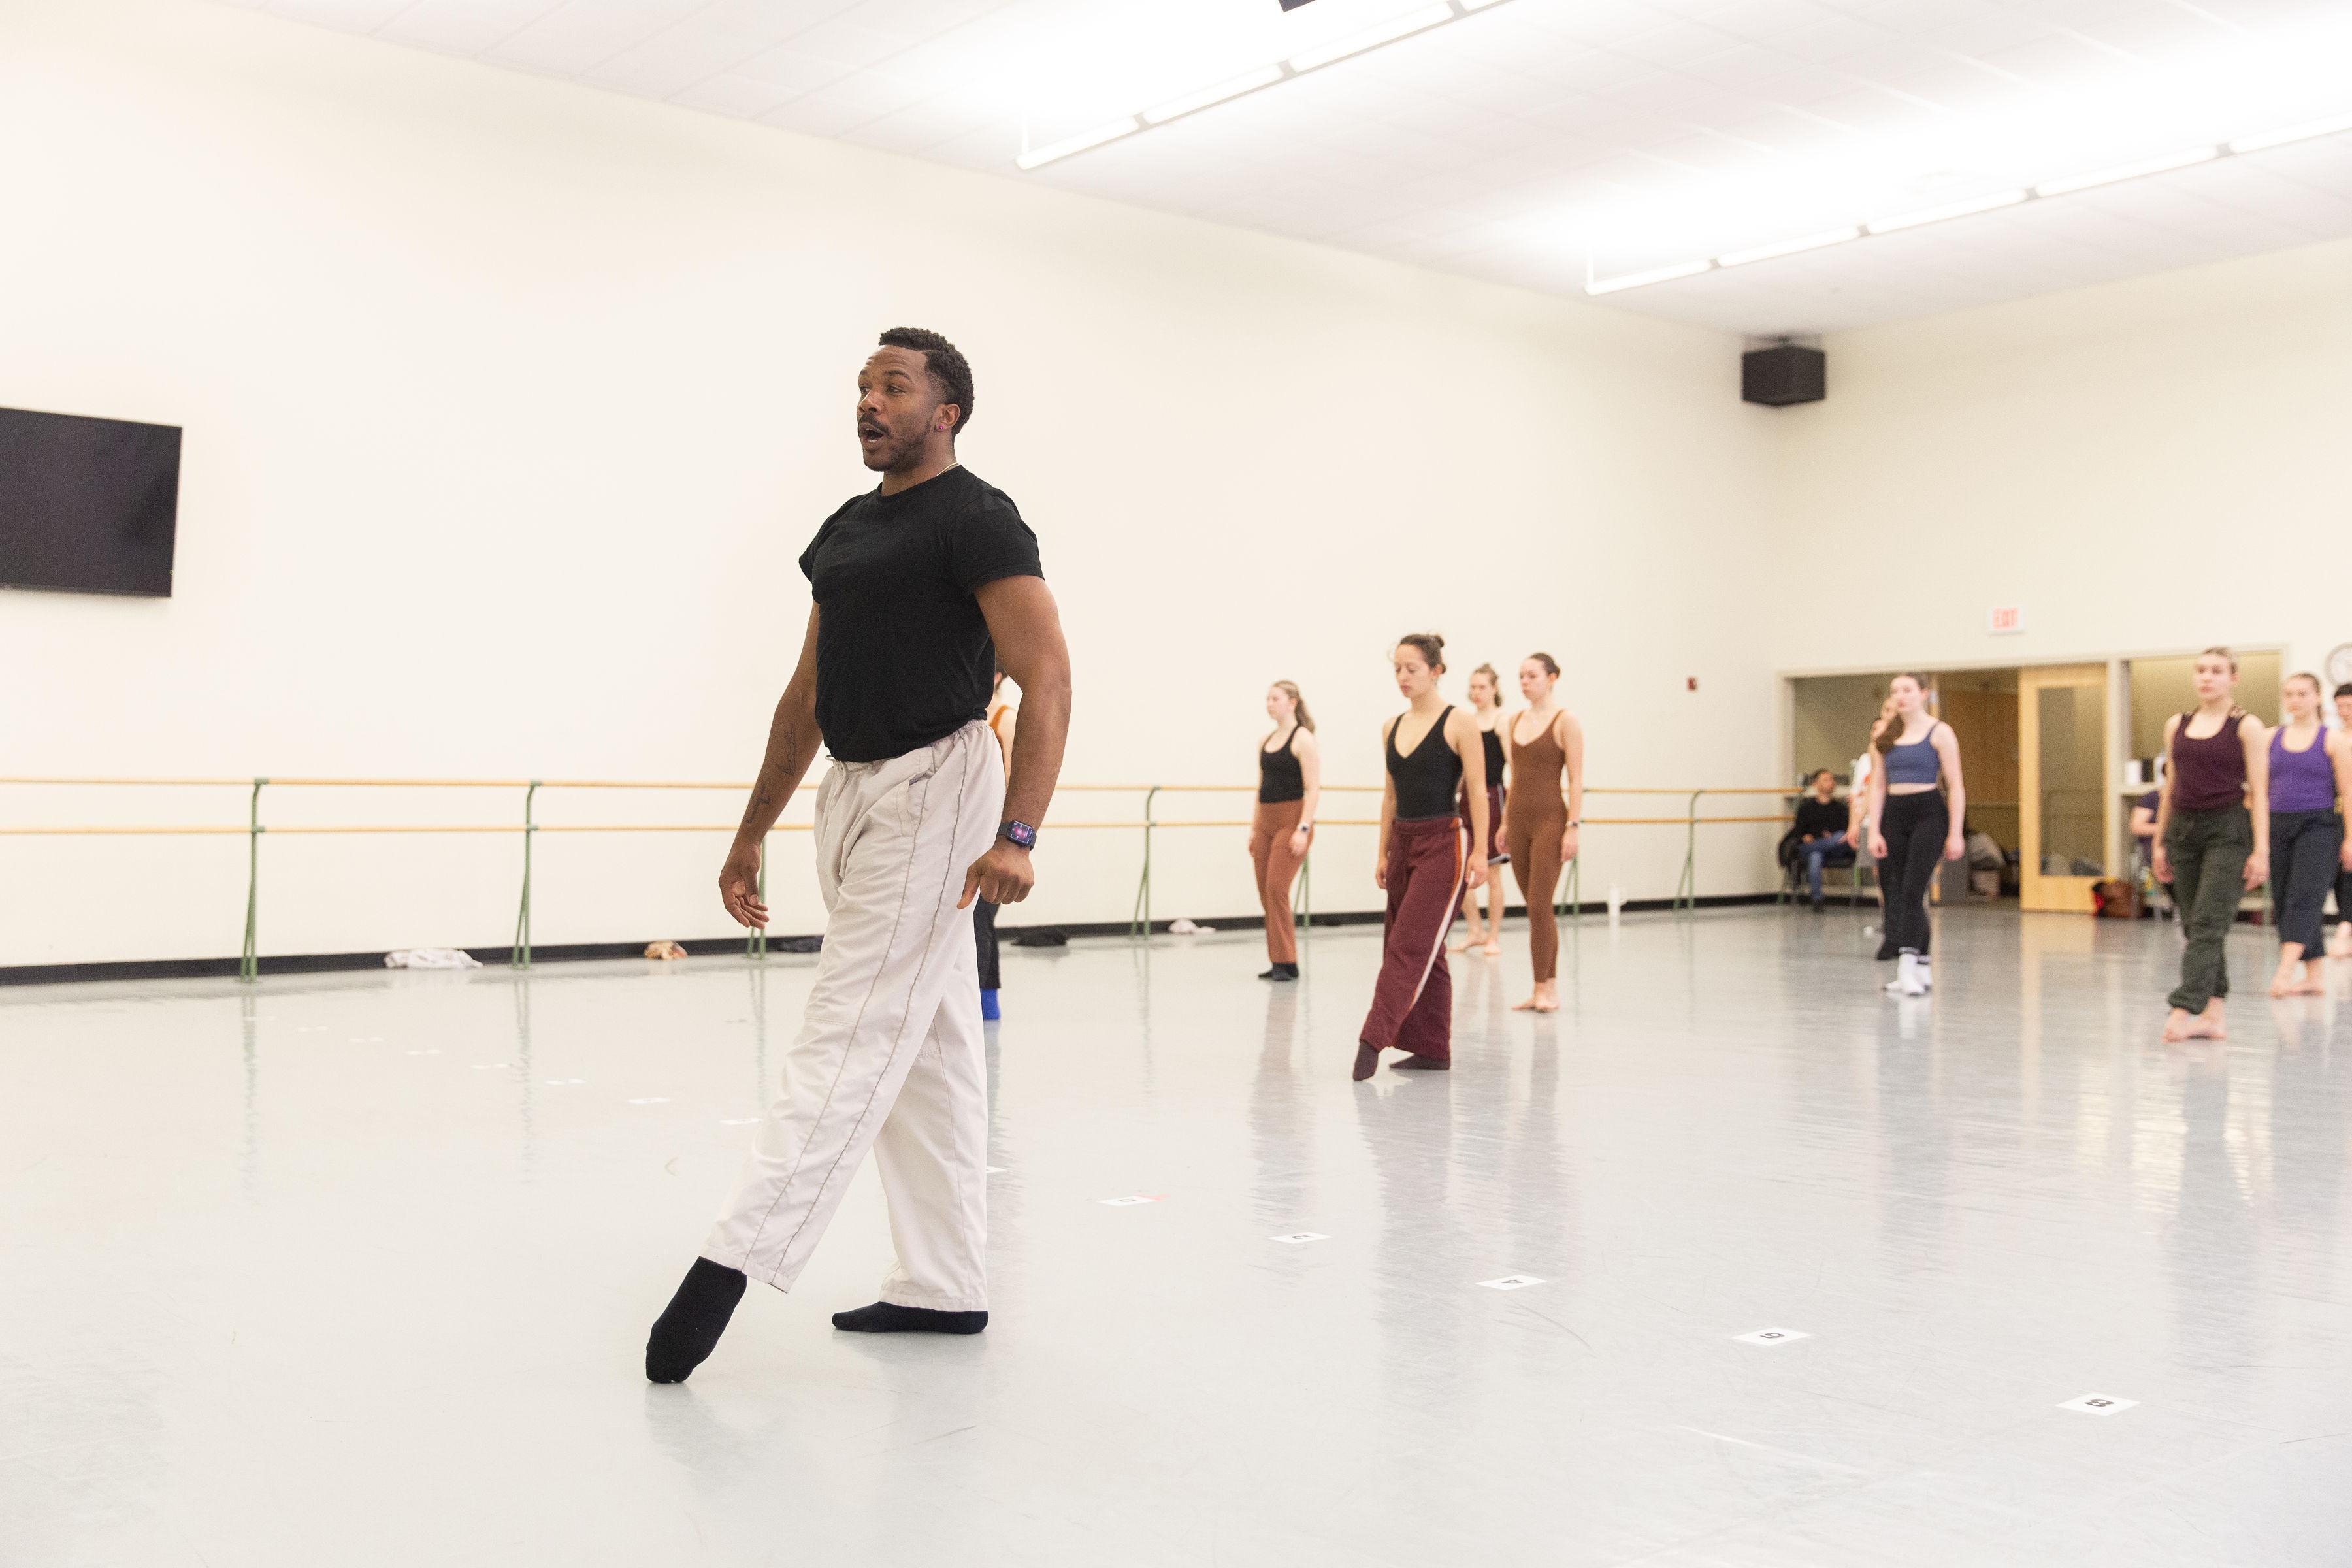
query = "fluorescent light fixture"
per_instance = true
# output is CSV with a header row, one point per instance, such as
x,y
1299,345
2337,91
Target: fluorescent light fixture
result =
x,y
2311,132
1193,102
1642,280
1388,32
1081,142
2123,171
1789,247
1415,21
1938,214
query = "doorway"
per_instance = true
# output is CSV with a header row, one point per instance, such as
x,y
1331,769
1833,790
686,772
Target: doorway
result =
x,y
2068,801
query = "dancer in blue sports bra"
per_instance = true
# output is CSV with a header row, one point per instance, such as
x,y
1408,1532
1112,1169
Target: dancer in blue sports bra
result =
x,y
1913,825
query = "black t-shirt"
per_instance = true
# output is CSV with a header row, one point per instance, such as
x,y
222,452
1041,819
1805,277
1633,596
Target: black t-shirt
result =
x,y
903,654
1815,817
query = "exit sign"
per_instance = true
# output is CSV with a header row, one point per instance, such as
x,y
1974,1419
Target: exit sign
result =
x,y
2004,620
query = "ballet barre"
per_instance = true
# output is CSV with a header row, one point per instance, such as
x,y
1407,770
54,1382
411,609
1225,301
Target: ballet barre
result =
x,y
755,945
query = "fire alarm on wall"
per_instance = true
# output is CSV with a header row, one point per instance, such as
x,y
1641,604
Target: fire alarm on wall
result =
x,y
1693,683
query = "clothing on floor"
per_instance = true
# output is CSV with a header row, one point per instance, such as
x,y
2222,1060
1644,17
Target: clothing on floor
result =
x,y
903,653
1535,821
890,1051
1412,1000
2208,851
2304,846
1276,868
1914,827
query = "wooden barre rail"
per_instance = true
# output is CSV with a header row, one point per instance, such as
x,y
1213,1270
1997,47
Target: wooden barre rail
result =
x,y
529,828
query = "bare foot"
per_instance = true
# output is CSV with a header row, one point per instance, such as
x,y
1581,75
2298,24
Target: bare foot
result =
x,y
1526,1006
2314,979
2282,983
2186,1026
1494,948
1547,997
1467,942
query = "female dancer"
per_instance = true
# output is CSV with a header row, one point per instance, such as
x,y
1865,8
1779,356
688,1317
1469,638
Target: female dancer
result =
x,y
1539,824
1910,821
1487,709
1433,753
2212,837
2309,768
1289,787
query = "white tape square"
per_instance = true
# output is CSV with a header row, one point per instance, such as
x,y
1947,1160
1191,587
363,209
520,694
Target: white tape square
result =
x,y
1771,1337
1300,1237
1511,1282
2099,1404
652,1099
1125,1203
996,1170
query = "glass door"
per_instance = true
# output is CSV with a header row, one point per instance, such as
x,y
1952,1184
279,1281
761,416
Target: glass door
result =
x,y
2064,795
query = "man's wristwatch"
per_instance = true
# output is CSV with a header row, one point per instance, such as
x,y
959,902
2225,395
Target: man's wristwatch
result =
x,y
1019,833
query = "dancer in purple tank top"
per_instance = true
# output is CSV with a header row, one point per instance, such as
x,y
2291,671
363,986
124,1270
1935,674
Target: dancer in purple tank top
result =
x,y
2310,769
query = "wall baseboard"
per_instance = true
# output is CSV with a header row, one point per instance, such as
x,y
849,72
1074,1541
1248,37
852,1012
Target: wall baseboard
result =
x,y
496,957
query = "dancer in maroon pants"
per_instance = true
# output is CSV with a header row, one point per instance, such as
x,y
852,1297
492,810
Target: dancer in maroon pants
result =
x,y
1433,753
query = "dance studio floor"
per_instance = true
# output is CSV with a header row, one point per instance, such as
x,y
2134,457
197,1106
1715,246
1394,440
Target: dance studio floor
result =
x,y
356,1270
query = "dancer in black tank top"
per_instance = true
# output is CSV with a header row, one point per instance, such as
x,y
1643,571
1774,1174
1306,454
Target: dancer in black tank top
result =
x,y
1433,751
1289,785
1487,709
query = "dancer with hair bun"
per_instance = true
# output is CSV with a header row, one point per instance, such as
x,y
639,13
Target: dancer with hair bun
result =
x,y
1433,753
2212,837
1289,787
2309,770
1541,816
1487,706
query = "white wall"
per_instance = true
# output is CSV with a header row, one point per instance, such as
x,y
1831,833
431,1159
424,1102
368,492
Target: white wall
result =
x,y
2149,466
509,404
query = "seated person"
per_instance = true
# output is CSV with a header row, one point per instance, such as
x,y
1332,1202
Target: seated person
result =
x,y
1820,830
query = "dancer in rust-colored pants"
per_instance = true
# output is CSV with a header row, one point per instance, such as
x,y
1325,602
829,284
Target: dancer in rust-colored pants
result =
x,y
1277,868
1412,1001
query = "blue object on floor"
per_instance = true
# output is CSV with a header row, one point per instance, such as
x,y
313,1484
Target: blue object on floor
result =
x,y
988,1007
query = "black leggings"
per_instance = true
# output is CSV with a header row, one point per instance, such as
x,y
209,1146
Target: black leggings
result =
x,y
2304,847
1914,827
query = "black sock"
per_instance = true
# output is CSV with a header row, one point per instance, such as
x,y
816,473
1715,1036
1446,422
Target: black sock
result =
x,y
688,1329
889,1318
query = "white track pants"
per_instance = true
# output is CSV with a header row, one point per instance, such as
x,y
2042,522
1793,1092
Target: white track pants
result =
x,y
890,1052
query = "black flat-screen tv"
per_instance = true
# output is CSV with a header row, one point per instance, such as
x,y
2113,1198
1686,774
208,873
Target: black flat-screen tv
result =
x,y
87,505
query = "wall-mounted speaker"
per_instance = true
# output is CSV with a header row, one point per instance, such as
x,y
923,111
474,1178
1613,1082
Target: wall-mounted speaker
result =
x,y
1782,374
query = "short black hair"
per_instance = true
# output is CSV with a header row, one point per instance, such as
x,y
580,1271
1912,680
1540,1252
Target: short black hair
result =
x,y
944,361
2344,690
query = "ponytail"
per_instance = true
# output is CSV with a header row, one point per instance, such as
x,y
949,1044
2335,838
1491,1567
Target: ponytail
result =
x,y
1297,704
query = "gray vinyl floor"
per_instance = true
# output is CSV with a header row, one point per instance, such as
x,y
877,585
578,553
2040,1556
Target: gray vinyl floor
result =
x,y
356,1270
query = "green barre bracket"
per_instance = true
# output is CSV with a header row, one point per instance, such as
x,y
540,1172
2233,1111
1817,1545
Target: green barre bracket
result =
x,y
1139,921
249,963
520,957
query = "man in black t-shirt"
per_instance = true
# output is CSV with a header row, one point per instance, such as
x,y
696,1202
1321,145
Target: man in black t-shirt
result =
x,y
1820,830
921,587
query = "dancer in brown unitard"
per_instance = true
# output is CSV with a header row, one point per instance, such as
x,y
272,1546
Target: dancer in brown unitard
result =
x,y
1541,815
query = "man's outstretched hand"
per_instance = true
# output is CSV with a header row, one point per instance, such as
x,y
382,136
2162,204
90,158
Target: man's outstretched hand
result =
x,y
1003,876
738,885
